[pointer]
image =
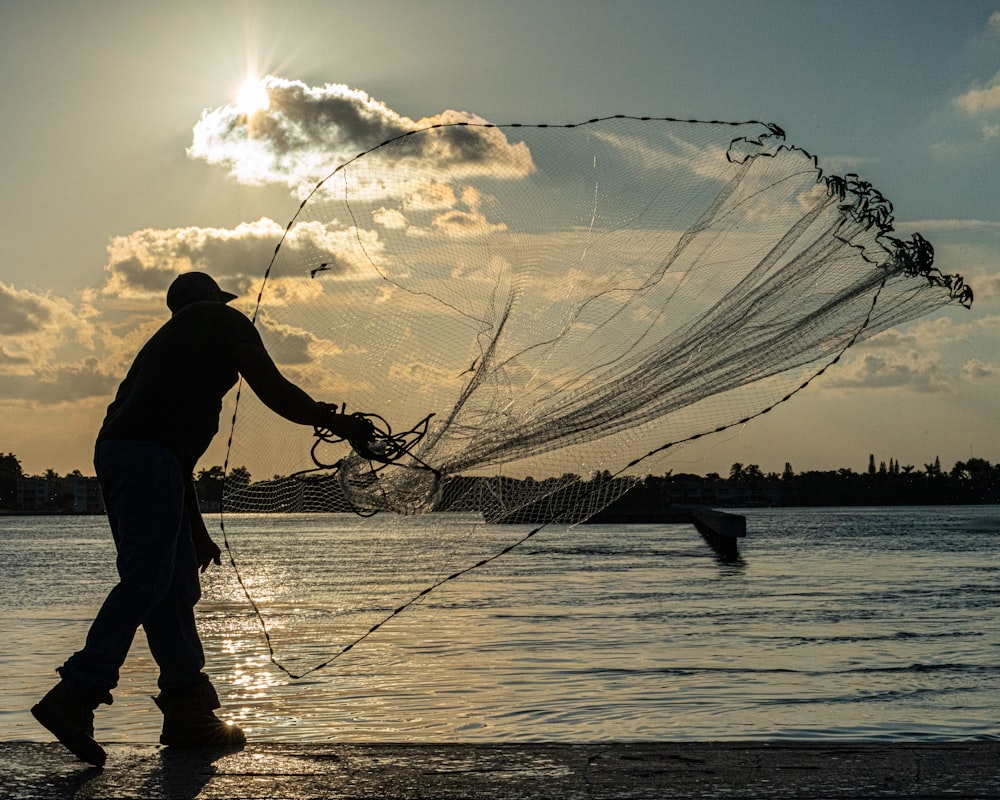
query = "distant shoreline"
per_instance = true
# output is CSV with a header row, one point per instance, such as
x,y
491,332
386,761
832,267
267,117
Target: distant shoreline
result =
x,y
650,516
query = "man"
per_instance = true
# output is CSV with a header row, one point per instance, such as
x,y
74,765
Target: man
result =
x,y
162,419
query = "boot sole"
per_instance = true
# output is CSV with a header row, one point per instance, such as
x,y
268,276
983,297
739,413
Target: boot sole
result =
x,y
79,744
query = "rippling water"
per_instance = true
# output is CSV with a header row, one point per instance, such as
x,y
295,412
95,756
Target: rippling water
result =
x,y
867,624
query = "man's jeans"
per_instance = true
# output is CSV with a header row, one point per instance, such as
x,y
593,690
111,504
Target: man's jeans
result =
x,y
143,487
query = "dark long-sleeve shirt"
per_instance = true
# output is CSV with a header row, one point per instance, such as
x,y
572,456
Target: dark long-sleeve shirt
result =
x,y
173,391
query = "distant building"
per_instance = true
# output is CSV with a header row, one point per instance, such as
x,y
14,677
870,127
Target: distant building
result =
x,y
38,494
87,496
75,494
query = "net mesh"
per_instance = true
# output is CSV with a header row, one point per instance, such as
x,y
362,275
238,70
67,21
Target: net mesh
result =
x,y
548,310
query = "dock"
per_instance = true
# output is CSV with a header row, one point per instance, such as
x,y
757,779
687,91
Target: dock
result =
x,y
721,529
616,771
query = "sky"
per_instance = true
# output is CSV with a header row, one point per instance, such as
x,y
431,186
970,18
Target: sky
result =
x,y
107,108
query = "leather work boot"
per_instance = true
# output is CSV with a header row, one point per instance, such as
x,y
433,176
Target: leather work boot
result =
x,y
189,719
70,718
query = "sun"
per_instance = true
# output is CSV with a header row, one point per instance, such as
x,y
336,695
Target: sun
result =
x,y
252,96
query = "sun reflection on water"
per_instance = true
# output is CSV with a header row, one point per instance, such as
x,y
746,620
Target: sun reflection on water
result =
x,y
611,632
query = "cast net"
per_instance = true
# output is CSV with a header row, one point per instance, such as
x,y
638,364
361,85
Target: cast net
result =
x,y
545,313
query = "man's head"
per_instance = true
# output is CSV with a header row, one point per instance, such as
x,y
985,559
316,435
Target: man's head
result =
x,y
192,287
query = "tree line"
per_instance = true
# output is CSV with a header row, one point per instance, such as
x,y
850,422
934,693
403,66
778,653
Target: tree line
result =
x,y
973,481
208,484
967,482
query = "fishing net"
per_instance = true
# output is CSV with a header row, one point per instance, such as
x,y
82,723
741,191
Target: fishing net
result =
x,y
537,315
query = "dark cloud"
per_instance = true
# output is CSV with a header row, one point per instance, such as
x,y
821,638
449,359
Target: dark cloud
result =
x,y
21,312
60,384
874,371
286,345
141,276
300,117
11,360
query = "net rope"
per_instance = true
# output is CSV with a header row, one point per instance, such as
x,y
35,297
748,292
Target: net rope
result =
x,y
546,311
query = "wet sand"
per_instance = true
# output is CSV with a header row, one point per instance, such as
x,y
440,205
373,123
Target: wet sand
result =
x,y
496,771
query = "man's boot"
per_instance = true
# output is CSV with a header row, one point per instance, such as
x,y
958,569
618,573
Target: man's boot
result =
x,y
189,719
70,717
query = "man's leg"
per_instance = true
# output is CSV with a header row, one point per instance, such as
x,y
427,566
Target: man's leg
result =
x,y
170,626
144,494
187,698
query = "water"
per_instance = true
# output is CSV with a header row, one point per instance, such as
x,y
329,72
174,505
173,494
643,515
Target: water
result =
x,y
863,624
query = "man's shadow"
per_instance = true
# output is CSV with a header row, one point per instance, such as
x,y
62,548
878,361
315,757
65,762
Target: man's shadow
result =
x,y
182,774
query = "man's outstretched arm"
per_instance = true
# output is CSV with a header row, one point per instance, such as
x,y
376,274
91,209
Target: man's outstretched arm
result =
x,y
289,401
277,392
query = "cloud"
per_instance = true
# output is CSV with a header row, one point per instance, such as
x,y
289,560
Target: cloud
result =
x,y
471,222
993,24
845,165
37,328
461,224
981,99
914,371
142,264
391,218
8,359
974,369
986,286
989,225
52,348
420,375
290,345
61,383
430,196
306,132
22,311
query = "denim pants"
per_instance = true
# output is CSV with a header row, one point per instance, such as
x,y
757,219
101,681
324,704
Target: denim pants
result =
x,y
143,486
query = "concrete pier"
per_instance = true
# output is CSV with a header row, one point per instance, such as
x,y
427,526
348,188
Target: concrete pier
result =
x,y
720,529
620,771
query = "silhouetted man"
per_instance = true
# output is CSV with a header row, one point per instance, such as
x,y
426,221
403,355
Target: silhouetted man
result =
x,y
162,419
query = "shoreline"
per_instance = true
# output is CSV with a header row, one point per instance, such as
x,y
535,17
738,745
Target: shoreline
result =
x,y
838,769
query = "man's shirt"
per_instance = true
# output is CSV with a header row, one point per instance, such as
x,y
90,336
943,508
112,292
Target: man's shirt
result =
x,y
173,391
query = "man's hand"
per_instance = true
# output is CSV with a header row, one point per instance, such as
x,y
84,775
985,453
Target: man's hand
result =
x,y
359,431
206,551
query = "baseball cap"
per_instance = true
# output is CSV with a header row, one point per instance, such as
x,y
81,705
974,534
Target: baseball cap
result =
x,y
192,287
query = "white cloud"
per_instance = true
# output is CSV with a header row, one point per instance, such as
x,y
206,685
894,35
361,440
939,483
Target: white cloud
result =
x,y
974,369
391,218
306,132
39,329
845,165
952,224
993,23
462,224
430,196
143,264
981,99
49,348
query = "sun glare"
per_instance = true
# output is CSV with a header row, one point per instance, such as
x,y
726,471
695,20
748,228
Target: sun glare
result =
x,y
252,96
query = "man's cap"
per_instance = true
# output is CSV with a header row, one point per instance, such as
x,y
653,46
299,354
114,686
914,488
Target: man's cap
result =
x,y
192,287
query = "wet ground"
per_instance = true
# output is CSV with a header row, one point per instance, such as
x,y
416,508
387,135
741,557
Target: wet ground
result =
x,y
498,771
